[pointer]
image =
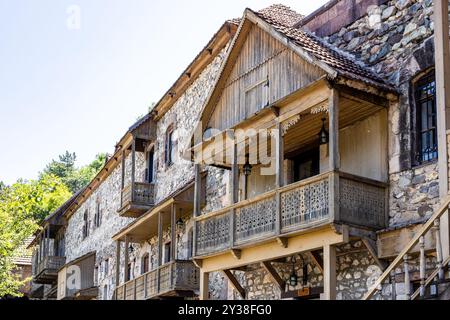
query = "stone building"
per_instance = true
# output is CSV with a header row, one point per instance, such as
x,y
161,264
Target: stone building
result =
x,y
347,99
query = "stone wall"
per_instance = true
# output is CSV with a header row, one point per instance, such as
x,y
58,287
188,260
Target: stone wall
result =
x,y
395,39
356,272
183,116
100,239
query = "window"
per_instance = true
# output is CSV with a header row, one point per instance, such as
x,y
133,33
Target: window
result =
x,y
168,147
145,264
85,224
167,252
106,267
149,168
98,216
426,125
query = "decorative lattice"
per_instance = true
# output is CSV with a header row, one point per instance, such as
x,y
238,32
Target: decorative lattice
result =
x,y
305,204
255,220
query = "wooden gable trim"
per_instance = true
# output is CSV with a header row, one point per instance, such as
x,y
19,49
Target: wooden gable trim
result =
x,y
249,19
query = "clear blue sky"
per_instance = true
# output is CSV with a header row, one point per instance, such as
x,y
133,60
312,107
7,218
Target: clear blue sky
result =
x,y
79,89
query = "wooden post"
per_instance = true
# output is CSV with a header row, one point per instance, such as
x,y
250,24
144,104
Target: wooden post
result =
x,y
393,286
197,199
234,188
173,219
126,278
123,178
279,159
333,129
439,254
422,266
158,272
407,277
204,285
133,168
117,264
442,65
329,272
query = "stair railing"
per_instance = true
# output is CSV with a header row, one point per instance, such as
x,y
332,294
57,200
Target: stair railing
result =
x,y
405,256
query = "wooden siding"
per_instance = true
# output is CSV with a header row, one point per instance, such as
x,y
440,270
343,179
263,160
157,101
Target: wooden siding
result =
x,y
264,72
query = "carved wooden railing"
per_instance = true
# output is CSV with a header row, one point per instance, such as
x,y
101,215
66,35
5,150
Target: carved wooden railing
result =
x,y
48,264
177,275
405,259
325,198
141,194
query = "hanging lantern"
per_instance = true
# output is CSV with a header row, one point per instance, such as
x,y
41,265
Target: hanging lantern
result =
x,y
247,168
323,134
293,279
180,224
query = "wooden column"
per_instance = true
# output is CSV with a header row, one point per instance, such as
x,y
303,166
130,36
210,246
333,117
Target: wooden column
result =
x,y
123,178
133,168
279,156
204,285
197,200
126,278
333,129
117,264
442,64
173,236
158,272
234,188
329,272
279,167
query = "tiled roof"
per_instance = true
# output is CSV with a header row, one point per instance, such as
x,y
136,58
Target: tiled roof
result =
x,y
23,254
342,62
281,15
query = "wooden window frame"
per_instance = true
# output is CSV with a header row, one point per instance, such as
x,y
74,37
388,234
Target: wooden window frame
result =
x,y
420,83
85,224
169,146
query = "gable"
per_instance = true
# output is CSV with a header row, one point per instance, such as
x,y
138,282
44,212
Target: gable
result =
x,y
263,72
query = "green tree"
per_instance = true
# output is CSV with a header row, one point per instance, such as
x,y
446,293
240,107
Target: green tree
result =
x,y
23,206
75,178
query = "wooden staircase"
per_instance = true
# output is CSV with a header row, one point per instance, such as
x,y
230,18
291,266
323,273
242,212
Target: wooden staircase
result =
x,y
438,278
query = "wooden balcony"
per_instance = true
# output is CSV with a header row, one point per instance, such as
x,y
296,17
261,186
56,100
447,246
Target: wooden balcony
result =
x,y
82,288
175,279
137,198
46,270
328,198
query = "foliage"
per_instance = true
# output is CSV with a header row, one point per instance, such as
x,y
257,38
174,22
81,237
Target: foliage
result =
x,y
26,203
75,178
23,206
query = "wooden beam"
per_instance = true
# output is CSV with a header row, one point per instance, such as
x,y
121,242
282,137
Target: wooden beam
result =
x,y
117,263
372,248
173,236
317,259
283,242
236,253
234,283
133,167
273,274
126,278
442,64
204,285
333,111
198,263
329,272
160,238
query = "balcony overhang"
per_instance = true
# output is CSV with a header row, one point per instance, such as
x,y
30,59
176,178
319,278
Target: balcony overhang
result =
x,y
146,226
300,115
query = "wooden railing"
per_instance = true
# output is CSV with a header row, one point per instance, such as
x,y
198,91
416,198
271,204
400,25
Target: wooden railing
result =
x,y
177,275
322,199
143,194
405,259
49,264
